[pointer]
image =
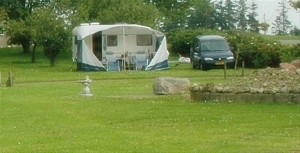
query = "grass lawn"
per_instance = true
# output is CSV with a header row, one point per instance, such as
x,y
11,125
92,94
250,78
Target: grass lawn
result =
x,y
281,37
45,112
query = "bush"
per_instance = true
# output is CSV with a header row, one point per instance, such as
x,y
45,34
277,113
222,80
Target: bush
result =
x,y
179,40
286,54
296,51
254,49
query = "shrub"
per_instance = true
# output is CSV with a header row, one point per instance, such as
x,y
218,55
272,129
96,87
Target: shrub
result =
x,y
255,50
296,51
286,54
179,40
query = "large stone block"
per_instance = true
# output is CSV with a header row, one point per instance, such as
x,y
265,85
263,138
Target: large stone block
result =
x,y
296,63
288,66
170,85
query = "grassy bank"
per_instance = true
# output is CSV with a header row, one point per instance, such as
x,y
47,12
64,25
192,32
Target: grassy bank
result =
x,y
45,112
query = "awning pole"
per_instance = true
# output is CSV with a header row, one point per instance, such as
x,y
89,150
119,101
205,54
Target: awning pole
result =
x,y
123,49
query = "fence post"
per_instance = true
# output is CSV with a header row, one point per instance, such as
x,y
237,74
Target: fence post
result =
x,y
10,77
225,68
243,66
9,82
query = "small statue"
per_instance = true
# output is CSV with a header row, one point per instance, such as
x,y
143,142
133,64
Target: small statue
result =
x,y
86,89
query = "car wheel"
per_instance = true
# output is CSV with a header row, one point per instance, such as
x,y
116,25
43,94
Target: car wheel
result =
x,y
201,66
193,65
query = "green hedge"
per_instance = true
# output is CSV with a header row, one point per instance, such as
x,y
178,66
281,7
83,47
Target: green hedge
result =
x,y
255,50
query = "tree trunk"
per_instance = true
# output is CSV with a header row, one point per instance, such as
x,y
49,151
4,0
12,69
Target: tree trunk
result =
x,y
52,62
26,47
33,54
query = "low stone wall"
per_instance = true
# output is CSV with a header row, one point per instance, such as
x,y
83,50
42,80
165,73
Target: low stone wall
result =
x,y
245,97
280,85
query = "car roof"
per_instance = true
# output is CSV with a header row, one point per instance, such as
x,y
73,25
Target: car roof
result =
x,y
206,37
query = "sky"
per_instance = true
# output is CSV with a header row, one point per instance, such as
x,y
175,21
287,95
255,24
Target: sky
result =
x,y
268,8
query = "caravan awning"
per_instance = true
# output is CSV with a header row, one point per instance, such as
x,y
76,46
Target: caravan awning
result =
x,y
82,31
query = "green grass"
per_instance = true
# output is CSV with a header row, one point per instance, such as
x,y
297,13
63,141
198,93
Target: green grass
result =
x,y
45,112
281,37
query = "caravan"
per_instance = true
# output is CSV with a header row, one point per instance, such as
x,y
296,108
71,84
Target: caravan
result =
x,y
118,47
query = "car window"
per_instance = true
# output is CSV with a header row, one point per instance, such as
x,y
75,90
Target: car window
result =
x,y
220,45
214,45
205,46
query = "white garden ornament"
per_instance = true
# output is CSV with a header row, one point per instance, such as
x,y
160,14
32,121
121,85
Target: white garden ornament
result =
x,y
86,89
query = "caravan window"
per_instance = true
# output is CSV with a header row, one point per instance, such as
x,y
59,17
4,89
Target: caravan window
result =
x,y
144,40
112,40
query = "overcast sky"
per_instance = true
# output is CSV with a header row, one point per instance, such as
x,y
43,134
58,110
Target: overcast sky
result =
x,y
268,7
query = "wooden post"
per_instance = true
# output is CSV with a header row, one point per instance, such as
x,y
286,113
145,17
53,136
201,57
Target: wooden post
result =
x,y
9,81
225,67
10,78
243,66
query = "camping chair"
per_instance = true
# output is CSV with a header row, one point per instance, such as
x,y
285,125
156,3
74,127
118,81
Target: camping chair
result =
x,y
141,60
112,63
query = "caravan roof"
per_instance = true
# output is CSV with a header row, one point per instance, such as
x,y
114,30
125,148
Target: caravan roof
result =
x,y
86,30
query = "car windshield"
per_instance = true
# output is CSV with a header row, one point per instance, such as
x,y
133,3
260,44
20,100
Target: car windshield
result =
x,y
214,45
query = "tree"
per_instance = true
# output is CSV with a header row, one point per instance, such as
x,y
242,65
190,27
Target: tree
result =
x,y
16,11
3,14
203,15
17,24
295,3
132,11
175,13
241,15
110,12
226,15
281,24
253,23
51,30
220,15
230,14
295,31
19,32
264,26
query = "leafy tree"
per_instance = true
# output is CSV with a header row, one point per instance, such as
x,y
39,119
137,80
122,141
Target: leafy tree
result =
x,y
281,24
110,12
264,26
3,14
15,9
295,3
175,13
84,11
19,32
132,11
15,12
18,27
51,30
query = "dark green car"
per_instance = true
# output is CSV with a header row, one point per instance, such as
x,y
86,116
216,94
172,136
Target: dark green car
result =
x,y
211,51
